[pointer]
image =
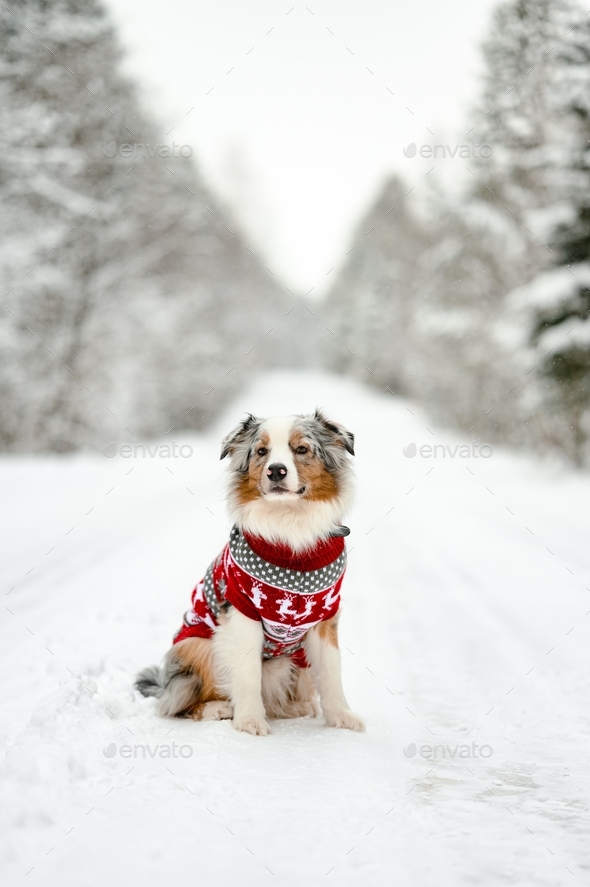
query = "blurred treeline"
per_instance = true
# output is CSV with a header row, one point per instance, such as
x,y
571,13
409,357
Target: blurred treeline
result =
x,y
475,301
129,295
133,303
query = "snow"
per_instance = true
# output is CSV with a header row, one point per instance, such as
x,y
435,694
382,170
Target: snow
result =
x,y
572,333
464,621
551,289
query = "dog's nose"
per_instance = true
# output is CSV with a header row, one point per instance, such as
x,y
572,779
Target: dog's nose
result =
x,y
276,472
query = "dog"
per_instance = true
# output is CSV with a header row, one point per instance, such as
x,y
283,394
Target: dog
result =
x,y
261,639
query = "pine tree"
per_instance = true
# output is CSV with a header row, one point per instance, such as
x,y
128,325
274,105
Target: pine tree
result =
x,y
128,297
414,307
533,192
520,111
371,305
561,329
465,334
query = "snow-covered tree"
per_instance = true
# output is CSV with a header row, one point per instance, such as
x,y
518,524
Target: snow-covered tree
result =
x,y
129,293
521,109
553,307
481,322
370,307
414,306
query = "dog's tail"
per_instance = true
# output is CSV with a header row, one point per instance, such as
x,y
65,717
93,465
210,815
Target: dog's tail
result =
x,y
149,682
176,685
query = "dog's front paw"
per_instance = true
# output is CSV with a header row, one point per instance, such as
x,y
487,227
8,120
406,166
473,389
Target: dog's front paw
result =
x,y
257,726
346,719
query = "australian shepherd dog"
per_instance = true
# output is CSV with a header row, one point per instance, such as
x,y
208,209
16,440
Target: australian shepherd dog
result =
x,y
261,638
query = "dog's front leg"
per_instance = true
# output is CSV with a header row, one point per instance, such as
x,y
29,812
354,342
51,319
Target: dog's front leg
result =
x,y
322,653
238,664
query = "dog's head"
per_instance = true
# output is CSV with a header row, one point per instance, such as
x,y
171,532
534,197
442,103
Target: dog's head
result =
x,y
289,470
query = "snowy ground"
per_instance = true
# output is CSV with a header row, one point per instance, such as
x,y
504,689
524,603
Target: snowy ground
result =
x,y
464,624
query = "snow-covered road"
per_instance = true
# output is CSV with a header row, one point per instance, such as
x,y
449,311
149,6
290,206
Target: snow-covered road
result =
x,y
465,642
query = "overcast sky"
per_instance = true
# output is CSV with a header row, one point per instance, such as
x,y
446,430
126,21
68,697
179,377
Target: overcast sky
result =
x,y
300,113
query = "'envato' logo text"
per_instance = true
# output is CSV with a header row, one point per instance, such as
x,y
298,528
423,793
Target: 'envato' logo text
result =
x,y
463,451
163,451
431,752
147,751
484,151
138,149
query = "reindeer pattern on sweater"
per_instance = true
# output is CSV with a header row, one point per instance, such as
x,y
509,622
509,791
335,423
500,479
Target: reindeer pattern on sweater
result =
x,y
289,593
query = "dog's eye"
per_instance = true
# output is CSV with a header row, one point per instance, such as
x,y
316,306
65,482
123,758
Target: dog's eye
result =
x,y
262,451
301,450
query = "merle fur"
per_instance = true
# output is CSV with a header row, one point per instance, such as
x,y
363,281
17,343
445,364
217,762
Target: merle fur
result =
x,y
240,442
329,440
173,679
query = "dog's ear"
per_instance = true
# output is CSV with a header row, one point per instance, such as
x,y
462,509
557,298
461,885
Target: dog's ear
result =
x,y
338,432
241,438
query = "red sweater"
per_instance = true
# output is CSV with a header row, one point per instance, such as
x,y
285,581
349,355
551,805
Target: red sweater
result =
x,y
288,592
